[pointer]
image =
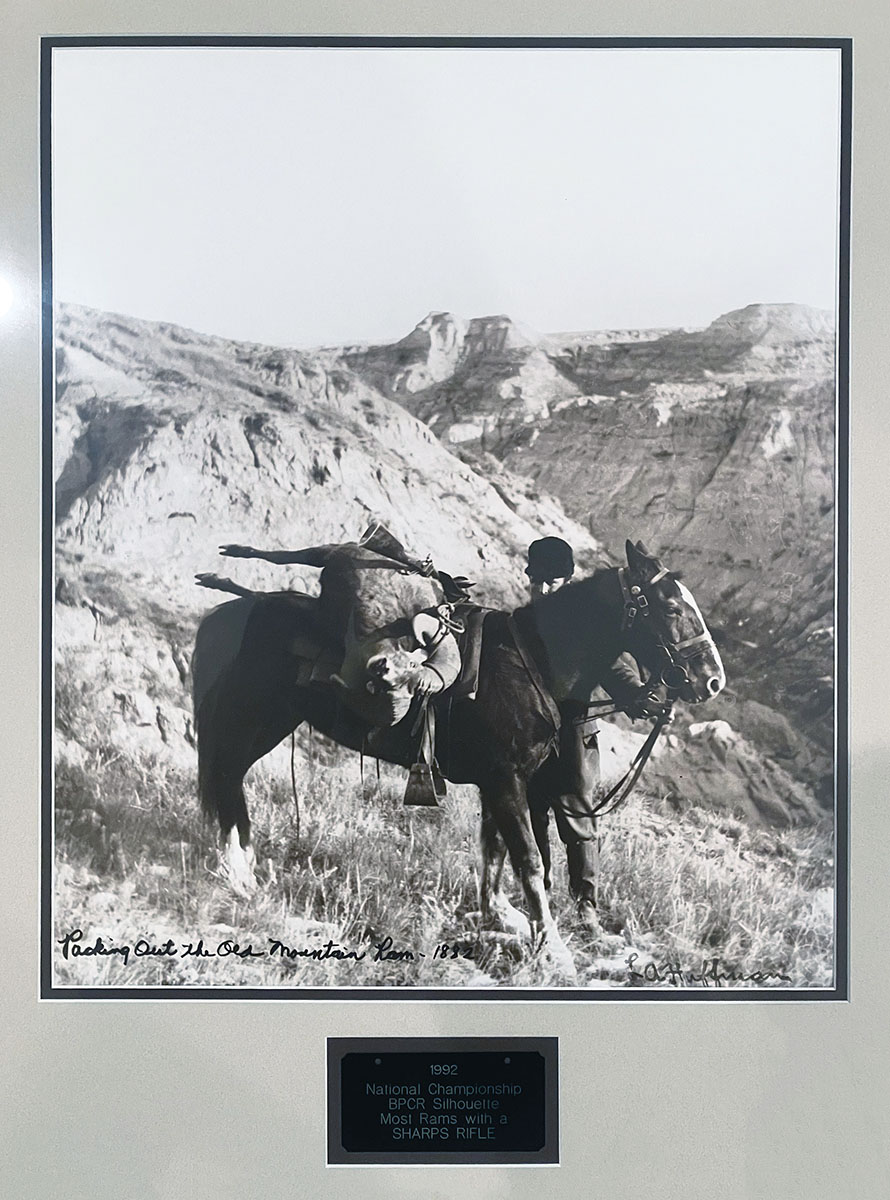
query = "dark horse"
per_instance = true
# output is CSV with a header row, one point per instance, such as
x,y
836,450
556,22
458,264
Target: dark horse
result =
x,y
251,690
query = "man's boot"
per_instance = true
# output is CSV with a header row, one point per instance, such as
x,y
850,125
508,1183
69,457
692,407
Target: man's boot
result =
x,y
583,863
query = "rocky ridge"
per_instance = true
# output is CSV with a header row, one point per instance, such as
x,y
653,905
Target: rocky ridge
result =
x,y
169,442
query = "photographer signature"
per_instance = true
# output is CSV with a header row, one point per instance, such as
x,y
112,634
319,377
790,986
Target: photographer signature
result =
x,y
712,974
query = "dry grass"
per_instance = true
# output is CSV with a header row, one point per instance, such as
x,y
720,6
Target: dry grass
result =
x,y
135,860
691,889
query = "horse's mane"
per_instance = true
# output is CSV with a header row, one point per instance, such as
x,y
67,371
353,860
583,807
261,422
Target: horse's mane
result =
x,y
578,593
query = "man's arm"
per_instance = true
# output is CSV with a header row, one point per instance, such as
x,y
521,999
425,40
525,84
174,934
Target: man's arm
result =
x,y
624,685
622,681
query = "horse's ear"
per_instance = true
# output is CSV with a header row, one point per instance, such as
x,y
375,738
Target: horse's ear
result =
x,y
640,561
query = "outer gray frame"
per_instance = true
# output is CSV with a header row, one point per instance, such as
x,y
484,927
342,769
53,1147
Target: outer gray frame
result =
x,y
148,1102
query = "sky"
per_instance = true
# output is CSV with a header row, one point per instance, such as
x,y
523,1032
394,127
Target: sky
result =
x,y
303,196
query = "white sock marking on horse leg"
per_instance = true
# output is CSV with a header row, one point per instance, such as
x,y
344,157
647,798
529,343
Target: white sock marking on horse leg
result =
x,y
507,918
554,947
238,863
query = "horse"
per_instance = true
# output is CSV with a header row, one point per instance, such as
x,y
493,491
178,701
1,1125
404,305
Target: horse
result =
x,y
251,689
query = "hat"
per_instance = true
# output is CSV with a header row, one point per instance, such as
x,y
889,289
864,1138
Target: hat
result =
x,y
550,558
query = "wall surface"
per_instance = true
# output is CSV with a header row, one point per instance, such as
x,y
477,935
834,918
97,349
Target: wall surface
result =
x,y
170,1101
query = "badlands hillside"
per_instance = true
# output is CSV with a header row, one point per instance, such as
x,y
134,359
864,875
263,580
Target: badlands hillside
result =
x,y
469,439
715,445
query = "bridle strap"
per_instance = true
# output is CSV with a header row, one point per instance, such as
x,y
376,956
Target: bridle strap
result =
x,y
635,599
631,601
693,641
636,603
625,590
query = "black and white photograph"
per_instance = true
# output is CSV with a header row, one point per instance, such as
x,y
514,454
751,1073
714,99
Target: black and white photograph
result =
x,y
445,528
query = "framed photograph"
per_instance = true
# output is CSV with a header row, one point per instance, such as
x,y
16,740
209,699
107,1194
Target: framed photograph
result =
x,y
445,518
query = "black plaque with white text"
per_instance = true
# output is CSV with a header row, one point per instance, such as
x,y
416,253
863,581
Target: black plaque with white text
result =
x,y
443,1100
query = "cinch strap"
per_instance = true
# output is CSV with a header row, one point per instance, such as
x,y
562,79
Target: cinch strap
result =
x,y
534,674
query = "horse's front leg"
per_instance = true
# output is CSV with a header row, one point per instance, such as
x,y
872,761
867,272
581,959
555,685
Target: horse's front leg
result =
x,y
507,805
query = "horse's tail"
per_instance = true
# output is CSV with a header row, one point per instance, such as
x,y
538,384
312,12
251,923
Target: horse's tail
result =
x,y
222,760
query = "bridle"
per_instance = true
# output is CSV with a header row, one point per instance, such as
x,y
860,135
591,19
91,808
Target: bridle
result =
x,y
636,605
674,677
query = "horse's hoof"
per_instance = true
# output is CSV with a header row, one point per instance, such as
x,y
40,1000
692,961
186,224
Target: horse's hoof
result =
x,y
242,884
560,963
502,916
236,867
554,956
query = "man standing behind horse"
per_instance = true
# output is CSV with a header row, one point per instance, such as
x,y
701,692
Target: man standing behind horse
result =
x,y
569,783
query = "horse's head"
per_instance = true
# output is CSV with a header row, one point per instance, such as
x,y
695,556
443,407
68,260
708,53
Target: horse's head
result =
x,y
666,629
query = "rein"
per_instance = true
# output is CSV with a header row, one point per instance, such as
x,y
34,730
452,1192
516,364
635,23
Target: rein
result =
x,y
616,797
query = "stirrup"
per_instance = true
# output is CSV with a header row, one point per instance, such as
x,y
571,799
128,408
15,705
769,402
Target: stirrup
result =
x,y
421,788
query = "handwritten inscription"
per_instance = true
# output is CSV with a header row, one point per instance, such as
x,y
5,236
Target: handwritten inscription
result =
x,y
74,944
